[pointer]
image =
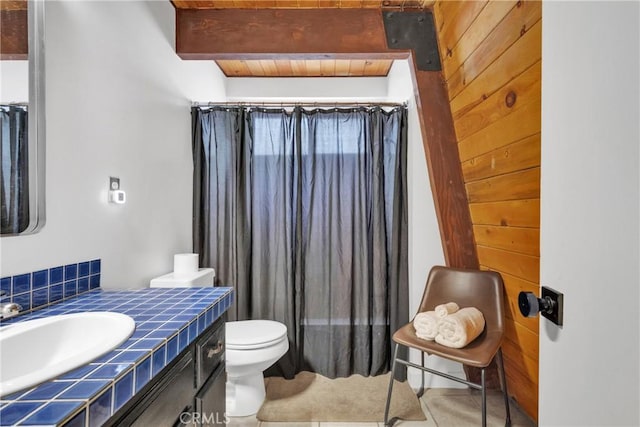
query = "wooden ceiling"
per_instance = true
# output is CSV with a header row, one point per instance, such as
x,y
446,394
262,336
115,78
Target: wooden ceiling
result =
x,y
361,67
299,4
13,4
304,67
13,30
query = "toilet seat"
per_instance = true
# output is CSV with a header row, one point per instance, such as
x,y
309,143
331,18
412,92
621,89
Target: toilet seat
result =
x,y
253,334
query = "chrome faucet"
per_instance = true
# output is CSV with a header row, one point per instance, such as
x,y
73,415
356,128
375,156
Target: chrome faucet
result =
x,y
8,309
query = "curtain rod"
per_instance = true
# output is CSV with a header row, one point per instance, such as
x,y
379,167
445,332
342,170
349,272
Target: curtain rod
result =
x,y
300,104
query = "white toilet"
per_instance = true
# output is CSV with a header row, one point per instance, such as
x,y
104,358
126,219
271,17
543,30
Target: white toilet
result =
x,y
251,347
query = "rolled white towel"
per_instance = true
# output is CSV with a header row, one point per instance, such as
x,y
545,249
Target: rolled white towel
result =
x,y
426,325
460,328
446,309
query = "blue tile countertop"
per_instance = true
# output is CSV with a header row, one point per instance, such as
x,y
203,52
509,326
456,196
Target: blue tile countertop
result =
x,y
167,321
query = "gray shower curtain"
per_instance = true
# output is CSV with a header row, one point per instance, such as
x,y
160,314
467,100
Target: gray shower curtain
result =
x,y
14,176
304,213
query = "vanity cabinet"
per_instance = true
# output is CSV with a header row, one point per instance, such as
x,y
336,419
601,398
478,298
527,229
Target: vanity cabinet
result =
x,y
172,395
210,400
208,404
190,391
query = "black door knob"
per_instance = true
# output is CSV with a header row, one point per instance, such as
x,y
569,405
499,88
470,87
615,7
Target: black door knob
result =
x,y
530,304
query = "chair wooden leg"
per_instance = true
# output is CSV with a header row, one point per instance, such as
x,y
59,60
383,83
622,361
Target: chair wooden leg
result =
x,y
484,398
421,392
503,381
387,422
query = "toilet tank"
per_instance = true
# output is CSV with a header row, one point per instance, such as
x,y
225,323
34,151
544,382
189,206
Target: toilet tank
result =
x,y
197,279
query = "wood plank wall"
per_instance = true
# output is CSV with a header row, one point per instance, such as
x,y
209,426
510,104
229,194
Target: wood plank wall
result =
x,y
491,56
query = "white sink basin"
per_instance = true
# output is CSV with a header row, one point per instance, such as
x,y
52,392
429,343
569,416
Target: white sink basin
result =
x,y
38,350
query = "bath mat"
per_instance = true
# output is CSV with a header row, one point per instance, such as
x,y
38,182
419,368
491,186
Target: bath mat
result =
x,y
312,397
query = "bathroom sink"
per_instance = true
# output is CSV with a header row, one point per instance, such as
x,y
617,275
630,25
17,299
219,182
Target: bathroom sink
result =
x,y
38,350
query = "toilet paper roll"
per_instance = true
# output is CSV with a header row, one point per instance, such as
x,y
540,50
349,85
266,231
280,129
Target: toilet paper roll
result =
x,y
185,263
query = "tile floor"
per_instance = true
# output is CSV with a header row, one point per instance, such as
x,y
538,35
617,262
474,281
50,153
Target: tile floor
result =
x,y
443,407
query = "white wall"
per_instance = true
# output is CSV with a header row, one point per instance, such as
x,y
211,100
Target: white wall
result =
x,y
118,100
14,81
589,242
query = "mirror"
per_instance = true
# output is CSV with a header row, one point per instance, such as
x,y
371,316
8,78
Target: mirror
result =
x,y
22,130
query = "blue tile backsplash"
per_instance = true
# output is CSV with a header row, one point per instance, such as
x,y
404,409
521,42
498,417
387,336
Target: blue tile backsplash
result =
x,y
43,287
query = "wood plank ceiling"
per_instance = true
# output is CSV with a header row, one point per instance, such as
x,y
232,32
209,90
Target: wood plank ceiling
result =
x,y
367,67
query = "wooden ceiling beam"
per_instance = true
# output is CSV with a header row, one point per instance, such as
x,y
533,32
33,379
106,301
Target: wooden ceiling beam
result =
x,y
13,33
445,171
270,33
343,33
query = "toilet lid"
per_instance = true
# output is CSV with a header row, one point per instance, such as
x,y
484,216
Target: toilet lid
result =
x,y
253,334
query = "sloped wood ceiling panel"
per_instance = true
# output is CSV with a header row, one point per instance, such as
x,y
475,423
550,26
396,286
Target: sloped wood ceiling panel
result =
x,y
491,56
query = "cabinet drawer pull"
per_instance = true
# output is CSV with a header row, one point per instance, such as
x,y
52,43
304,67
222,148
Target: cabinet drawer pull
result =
x,y
212,351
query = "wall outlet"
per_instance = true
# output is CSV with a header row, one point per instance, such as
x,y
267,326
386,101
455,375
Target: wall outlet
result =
x,y
114,183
